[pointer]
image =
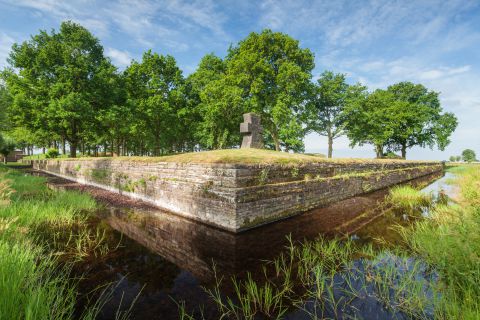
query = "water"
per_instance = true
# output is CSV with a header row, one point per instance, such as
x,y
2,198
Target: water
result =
x,y
164,258
442,186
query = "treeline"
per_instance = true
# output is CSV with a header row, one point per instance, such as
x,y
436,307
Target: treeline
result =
x,y
61,91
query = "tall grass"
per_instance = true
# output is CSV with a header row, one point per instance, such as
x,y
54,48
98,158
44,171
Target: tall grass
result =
x,y
37,227
449,241
32,285
330,278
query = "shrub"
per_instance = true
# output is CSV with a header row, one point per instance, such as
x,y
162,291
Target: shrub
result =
x,y
52,153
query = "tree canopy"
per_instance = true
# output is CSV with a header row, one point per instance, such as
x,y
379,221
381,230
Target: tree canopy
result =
x,y
329,97
403,116
62,82
369,119
61,91
468,155
272,75
155,88
7,145
420,121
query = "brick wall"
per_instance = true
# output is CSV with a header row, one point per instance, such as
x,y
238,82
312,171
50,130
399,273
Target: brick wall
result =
x,y
237,196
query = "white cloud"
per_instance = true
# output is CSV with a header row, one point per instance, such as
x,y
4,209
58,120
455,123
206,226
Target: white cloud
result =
x,y
6,43
442,72
149,23
119,57
343,23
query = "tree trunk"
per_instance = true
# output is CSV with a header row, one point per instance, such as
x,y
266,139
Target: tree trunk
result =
x,y
379,151
330,145
63,146
73,149
276,141
404,151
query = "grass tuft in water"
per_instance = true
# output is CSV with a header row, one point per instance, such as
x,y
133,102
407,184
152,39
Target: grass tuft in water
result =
x,y
409,199
433,274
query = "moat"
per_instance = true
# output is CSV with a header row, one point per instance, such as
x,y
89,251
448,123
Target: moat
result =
x,y
162,260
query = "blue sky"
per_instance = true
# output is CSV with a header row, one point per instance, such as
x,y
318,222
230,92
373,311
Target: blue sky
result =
x,y
436,43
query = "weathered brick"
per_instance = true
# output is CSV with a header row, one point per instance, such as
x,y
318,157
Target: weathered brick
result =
x,y
236,197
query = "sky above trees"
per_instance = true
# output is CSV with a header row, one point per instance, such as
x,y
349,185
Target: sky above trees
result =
x,y
432,42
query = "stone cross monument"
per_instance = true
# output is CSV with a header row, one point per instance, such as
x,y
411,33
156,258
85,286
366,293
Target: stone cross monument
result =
x,y
252,130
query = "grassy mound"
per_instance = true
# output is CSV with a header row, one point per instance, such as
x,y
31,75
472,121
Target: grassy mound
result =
x,y
246,156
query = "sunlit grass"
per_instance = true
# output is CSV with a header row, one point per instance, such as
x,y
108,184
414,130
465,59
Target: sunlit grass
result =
x,y
39,226
245,156
32,285
450,242
408,198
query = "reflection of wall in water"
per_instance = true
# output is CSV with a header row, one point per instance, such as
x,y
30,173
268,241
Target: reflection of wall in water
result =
x,y
194,246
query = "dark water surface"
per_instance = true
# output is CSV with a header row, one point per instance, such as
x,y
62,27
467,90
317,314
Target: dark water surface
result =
x,y
163,258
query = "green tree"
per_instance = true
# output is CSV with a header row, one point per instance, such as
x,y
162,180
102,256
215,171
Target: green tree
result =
x,y
458,158
325,110
155,88
272,75
60,81
452,158
5,103
420,119
469,155
368,120
7,145
218,106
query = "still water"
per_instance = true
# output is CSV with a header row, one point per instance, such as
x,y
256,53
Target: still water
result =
x,y
162,259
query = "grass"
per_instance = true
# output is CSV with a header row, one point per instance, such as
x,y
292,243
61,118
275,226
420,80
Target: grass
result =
x,y
246,156
19,165
433,274
42,156
35,278
328,278
409,199
450,242
32,285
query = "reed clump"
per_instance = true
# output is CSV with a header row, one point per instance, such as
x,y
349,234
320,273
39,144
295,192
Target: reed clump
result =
x,y
409,199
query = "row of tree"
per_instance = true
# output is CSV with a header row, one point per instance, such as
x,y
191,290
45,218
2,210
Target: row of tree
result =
x,y
60,90
468,155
